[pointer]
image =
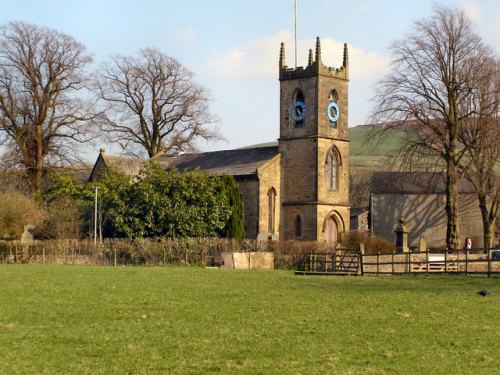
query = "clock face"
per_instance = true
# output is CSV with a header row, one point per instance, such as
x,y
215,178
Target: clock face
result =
x,y
298,111
333,112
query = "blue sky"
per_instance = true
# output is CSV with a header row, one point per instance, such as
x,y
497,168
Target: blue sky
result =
x,y
232,46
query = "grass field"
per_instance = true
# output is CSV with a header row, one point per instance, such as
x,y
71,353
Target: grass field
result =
x,y
156,320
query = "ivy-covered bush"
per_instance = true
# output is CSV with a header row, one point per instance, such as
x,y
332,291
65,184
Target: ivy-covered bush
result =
x,y
157,203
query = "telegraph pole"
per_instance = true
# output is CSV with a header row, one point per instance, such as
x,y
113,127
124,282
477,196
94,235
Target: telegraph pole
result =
x,y
95,216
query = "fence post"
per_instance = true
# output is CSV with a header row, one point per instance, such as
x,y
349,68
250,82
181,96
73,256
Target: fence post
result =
x,y
489,262
361,259
378,261
446,261
392,263
466,261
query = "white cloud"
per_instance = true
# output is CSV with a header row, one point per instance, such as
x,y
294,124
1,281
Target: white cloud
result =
x,y
257,60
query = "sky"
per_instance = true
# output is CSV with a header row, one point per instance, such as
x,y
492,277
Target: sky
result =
x,y
232,46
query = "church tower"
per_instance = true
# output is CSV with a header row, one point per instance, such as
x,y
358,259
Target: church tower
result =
x,y
314,148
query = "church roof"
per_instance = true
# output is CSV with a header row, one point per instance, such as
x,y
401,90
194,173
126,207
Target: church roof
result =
x,y
239,162
414,183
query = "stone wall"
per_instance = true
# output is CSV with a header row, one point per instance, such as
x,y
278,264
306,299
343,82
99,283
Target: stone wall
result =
x,y
269,178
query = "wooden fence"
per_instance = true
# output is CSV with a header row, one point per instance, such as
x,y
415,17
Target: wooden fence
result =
x,y
353,262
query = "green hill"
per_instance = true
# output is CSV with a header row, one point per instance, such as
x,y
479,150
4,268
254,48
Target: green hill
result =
x,y
367,150
375,151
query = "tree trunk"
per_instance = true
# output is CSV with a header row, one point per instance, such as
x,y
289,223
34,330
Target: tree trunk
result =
x,y
487,223
452,230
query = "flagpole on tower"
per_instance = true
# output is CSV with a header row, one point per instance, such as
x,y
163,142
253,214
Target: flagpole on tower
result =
x,y
295,33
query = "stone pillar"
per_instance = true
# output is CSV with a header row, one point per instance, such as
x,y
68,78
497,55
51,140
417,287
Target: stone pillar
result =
x,y
422,244
402,236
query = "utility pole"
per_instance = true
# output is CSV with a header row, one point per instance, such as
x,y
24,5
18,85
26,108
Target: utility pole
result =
x,y
95,216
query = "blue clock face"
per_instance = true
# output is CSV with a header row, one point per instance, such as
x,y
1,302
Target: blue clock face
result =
x,y
298,111
333,112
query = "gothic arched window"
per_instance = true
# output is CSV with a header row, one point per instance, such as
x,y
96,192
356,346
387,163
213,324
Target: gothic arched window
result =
x,y
298,227
332,163
298,109
271,196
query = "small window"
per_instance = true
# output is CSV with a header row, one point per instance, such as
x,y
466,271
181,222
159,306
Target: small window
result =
x,y
334,96
298,226
332,168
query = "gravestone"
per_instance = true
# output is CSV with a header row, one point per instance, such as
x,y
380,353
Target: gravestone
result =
x,y
28,234
402,236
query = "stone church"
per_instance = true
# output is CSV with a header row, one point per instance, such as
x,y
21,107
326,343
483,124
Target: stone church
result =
x,y
299,188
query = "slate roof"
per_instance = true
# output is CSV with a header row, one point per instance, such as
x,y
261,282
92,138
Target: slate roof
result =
x,y
239,162
414,183
126,164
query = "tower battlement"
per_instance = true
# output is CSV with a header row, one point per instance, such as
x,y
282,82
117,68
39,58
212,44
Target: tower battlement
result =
x,y
314,67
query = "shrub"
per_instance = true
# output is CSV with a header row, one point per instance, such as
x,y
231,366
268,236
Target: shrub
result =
x,y
18,210
373,244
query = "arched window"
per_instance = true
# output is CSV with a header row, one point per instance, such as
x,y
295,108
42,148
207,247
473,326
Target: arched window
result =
x,y
298,109
271,196
332,163
298,227
333,108
334,96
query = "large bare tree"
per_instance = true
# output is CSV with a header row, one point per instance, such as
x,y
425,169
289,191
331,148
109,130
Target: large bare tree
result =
x,y
153,104
433,73
481,135
42,113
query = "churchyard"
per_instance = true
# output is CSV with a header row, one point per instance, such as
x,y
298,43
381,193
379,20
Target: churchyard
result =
x,y
191,320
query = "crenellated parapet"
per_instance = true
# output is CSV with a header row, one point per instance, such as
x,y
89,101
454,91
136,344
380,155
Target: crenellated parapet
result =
x,y
314,66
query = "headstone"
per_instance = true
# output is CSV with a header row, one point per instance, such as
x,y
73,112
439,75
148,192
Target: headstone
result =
x,y
402,236
241,261
227,260
422,244
262,260
28,234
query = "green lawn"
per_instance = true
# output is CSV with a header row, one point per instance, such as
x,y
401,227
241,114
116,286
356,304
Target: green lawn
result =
x,y
155,320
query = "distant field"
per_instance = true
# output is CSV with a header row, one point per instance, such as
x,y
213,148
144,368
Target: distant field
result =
x,y
156,320
375,152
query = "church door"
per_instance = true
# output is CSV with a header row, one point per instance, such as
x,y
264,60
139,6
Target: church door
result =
x,y
331,231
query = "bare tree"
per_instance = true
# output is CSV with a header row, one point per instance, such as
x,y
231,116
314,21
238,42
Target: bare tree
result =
x,y
42,113
482,138
153,104
433,74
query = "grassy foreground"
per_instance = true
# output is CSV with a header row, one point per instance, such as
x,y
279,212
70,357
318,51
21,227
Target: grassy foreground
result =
x,y
156,320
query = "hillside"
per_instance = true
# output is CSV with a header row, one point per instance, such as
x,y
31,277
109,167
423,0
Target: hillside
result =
x,y
367,150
